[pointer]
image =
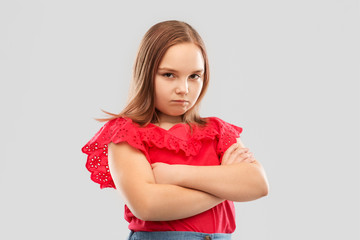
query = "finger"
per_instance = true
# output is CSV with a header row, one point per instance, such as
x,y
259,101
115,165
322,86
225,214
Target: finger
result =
x,y
250,158
235,157
241,152
246,155
241,156
229,151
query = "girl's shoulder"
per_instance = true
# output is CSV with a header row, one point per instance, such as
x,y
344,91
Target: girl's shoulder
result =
x,y
223,126
227,134
116,131
116,128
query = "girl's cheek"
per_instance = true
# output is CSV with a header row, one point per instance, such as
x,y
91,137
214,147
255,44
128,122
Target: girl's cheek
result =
x,y
196,84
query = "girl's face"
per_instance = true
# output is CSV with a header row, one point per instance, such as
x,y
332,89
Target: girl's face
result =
x,y
178,80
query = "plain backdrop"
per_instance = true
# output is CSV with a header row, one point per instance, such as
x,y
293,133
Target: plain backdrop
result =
x,y
285,71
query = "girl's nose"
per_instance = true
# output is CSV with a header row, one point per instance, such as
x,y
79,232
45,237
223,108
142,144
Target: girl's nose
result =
x,y
183,87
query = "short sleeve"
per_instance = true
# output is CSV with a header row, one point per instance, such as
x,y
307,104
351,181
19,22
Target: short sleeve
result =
x,y
116,130
228,133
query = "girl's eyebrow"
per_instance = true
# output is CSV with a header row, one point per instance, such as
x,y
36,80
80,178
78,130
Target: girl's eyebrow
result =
x,y
173,70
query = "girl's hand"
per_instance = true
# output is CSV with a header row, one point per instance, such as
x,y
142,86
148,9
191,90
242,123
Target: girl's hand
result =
x,y
237,154
164,173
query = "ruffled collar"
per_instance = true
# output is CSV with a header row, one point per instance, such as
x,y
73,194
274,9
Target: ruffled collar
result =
x,y
178,137
179,130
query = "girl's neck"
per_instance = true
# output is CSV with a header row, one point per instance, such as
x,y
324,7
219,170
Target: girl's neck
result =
x,y
166,119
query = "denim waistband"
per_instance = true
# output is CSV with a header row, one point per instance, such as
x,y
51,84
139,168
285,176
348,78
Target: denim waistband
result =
x,y
177,235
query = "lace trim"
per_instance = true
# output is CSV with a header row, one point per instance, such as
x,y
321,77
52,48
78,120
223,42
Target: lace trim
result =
x,y
160,138
228,135
97,164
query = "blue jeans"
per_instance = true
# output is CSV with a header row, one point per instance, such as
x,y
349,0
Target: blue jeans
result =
x,y
172,235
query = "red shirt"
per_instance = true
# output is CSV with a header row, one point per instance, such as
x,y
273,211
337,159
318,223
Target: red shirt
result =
x,y
178,145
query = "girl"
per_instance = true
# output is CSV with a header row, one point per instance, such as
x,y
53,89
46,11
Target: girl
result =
x,y
179,173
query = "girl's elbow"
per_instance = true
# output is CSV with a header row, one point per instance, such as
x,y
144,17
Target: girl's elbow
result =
x,y
263,189
144,216
265,186
262,184
147,211
141,209
259,192
140,212
254,192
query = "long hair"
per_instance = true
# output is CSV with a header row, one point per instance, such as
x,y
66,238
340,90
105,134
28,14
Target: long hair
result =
x,y
157,40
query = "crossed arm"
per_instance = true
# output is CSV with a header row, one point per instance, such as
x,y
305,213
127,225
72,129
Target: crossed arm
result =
x,y
163,192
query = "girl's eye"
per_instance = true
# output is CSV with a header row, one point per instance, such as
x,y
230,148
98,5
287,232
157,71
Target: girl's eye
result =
x,y
195,76
168,75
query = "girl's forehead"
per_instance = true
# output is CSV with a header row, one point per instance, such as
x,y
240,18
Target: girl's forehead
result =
x,y
184,56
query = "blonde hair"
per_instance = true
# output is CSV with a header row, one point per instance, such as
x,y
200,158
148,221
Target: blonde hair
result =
x,y
157,40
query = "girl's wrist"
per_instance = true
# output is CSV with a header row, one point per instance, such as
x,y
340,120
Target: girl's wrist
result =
x,y
178,174
183,173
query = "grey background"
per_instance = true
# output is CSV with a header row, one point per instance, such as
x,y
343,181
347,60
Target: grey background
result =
x,y
286,71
